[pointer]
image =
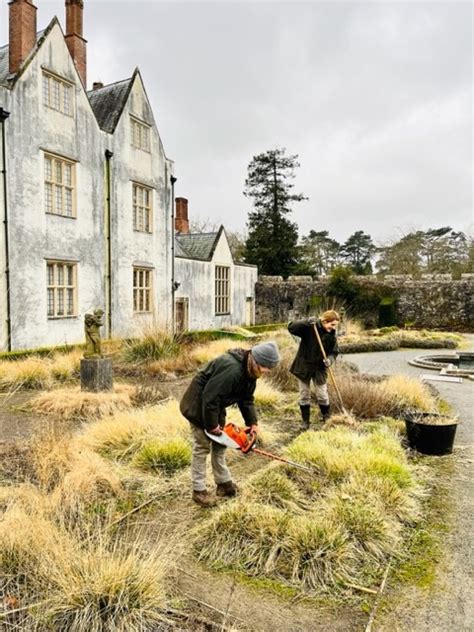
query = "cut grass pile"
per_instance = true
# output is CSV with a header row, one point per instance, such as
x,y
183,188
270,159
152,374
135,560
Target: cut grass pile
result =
x,y
83,584
72,403
321,532
33,372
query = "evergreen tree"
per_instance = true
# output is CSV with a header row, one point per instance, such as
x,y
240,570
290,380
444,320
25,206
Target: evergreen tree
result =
x,y
358,251
319,254
272,238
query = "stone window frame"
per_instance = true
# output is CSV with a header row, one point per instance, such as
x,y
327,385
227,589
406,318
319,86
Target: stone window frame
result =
x,y
142,290
58,93
61,289
140,134
222,290
63,185
142,212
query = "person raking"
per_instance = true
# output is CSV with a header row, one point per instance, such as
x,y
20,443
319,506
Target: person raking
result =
x,y
309,364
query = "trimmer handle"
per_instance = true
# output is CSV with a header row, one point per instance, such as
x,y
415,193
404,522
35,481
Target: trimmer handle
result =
x,y
251,440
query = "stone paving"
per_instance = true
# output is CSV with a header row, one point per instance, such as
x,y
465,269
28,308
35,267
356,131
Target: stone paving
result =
x,y
448,607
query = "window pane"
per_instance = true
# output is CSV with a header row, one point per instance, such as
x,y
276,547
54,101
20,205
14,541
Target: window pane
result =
x,y
58,199
60,296
70,302
45,89
60,275
56,98
48,197
67,98
50,302
70,275
68,202
58,171
48,169
67,172
50,274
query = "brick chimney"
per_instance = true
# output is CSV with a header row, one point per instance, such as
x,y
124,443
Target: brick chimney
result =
x,y
181,221
74,40
22,38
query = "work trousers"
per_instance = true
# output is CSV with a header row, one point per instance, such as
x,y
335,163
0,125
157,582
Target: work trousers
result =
x,y
201,448
322,395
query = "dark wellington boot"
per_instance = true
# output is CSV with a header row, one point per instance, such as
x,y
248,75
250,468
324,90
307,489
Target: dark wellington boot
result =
x,y
325,411
305,416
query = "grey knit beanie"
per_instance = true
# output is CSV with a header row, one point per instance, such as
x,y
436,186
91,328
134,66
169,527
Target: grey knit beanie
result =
x,y
266,354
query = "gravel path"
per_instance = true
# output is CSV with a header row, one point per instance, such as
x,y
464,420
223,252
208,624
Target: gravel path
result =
x,y
448,605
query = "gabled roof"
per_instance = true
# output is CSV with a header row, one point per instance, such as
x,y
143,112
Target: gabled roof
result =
x,y
5,61
108,102
198,246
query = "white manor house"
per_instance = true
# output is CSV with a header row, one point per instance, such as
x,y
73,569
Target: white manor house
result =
x,y
87,204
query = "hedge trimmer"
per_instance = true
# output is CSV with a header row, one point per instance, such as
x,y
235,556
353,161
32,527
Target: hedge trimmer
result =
x,y
244,440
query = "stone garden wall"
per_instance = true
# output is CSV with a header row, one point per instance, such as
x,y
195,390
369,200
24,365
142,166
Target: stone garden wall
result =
x,y
433,301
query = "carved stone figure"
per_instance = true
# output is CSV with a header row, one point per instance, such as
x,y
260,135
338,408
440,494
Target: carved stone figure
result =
x,y
92,324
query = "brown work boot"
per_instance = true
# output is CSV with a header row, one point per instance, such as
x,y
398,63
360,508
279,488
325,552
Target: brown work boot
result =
x,y
226,489
204,498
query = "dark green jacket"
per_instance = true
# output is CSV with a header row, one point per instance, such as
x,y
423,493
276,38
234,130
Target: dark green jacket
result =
x,y
308,362
219,384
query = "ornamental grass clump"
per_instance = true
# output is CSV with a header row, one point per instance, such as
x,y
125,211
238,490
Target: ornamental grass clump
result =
x,y
165,455
338,453
272,487
207,352
72,403
316,554
30,373
85,584
64,366
154,344
408,394
267,396
244,536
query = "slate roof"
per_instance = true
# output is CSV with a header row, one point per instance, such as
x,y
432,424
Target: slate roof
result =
x,y
108,103
199,246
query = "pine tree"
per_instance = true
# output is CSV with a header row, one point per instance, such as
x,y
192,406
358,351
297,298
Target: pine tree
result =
x,y
358,251
272,238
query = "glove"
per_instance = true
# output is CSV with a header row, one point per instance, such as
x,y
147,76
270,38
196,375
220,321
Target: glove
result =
x,y
216,431
312,320
327,362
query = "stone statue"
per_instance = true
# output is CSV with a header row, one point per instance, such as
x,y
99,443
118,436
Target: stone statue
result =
x,y
92,324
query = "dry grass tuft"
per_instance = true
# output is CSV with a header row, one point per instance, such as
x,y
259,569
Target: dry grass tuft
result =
x,y
272,487
72,403
407,393
167,455
27,373
267,396
123,435
207,352
87,586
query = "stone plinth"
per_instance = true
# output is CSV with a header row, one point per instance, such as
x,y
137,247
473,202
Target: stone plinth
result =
x,y
96,374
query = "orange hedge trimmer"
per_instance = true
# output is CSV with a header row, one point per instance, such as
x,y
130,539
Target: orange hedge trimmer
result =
x,y
242,439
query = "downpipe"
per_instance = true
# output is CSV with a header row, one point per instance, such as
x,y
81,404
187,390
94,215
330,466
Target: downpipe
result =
x,y
3,117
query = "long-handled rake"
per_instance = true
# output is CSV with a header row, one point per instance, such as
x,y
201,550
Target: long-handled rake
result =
x,y
331,373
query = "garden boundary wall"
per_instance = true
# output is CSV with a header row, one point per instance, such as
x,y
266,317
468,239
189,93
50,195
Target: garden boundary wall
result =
x,y
434,301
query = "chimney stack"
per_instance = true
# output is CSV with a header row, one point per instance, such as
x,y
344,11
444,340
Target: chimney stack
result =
x,y
74,40
181,221
22,37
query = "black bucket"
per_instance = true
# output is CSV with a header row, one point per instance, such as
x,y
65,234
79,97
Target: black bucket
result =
x,y
429,439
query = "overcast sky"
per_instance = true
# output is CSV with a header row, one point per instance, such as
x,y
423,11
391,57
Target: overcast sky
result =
x,y
374,97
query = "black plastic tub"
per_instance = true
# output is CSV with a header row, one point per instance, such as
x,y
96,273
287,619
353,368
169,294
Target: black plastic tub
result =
x,y
430,439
